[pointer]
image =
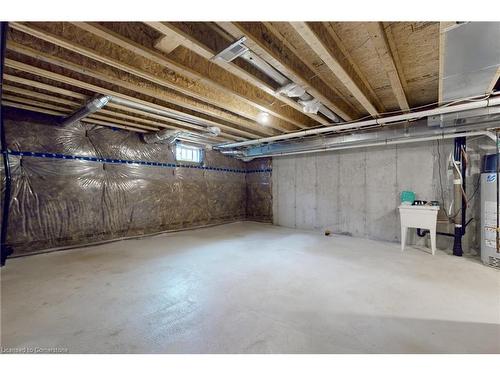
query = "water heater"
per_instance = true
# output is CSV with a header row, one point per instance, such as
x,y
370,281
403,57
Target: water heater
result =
x,y
490,254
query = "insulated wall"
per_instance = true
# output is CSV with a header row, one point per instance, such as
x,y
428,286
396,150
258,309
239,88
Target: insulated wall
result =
x,y
82,184
356,192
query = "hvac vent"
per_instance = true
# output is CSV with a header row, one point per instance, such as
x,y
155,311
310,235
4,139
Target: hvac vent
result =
x,y
233,51
494,262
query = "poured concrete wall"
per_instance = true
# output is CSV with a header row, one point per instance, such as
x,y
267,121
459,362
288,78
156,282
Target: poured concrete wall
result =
x,y
259,193
357,192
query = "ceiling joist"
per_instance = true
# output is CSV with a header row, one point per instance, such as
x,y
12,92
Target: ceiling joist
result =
x,y
78,83
126,80
137,121
379,39
354,69
316,37
269,48
200,47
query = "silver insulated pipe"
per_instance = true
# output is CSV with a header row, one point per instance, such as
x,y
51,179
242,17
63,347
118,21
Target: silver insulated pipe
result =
x,y
169,136
90,107
166,136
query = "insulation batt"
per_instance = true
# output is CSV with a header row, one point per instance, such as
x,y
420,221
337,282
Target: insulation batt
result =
x,y
60,202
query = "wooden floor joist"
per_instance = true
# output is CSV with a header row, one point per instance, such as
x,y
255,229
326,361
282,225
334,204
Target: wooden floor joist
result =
x,y
209,106
347,56
209,87
160,120
379,39
59,108
81,84
8,103
314,34
102,117
356,69
261,42
154,125
39,95
43,86
171,31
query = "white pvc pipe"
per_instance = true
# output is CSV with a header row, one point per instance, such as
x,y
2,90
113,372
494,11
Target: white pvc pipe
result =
x,y
489,102
384,143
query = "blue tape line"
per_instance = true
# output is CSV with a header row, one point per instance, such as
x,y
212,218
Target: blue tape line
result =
x,y
49,155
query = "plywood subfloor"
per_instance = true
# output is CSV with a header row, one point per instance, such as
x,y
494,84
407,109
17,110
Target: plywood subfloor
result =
x,y
250,288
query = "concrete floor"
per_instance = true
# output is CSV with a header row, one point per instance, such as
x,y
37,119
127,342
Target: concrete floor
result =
x,y
250,288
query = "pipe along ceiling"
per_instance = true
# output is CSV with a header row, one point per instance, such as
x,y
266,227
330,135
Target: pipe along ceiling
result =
x,y
475,115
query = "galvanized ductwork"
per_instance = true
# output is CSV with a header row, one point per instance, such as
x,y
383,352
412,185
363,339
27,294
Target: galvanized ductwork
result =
x,y
475,122
287,87
169,136
165,136
156,111
484,104
90,107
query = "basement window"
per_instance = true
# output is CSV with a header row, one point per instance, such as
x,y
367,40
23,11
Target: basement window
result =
x,y
186,153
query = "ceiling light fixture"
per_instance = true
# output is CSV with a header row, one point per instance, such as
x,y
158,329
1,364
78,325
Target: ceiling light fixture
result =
x,y
263,118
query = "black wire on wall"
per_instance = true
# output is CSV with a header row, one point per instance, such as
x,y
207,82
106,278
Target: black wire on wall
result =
x,y
5,250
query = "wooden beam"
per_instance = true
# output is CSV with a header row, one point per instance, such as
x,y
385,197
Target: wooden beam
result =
x,y
104,116
379,40
443,26
285,118
442,45
395,55
36,103
39,95
43,86
74,104
350,60
265,45
97,89
170,96
163,122
213,90
298,50
58,108
188,41
8,103
314,35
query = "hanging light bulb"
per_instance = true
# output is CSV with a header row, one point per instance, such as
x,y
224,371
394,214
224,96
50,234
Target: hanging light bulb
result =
x,y
263,118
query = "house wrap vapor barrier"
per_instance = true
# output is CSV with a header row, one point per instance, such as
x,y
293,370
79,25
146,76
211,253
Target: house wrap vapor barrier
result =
x,y
81,184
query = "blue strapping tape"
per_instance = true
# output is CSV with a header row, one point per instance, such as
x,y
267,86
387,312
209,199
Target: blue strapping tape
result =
x,y
49,155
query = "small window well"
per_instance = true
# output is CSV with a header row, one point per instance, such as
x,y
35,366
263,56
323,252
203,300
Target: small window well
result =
x,y
187,153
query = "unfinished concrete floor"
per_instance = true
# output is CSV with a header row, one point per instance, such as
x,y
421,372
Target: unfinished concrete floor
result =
x,y
250,288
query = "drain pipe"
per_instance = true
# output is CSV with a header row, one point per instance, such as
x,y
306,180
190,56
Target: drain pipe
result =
x,y
90,107
386,142
489,102
459,200
5,249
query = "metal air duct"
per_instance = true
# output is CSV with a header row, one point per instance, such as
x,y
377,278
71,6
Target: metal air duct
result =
x,y
484,103
169,136
90,107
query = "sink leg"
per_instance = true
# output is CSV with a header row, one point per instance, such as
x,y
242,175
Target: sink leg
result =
x,y
404,230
